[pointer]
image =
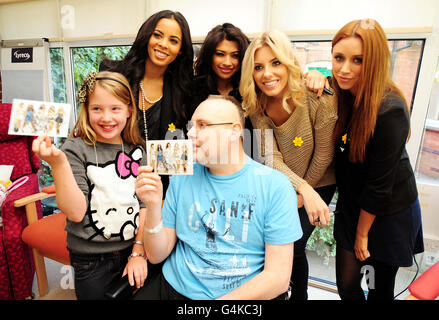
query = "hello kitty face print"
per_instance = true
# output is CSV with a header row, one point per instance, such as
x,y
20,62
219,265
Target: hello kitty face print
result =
x,y
113,205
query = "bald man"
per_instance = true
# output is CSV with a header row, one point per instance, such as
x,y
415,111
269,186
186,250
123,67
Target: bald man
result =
x,y
227,231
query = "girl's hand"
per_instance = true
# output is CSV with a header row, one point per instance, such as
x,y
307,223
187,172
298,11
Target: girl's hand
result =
x,y
316,82
149,186
360,247
316,208
45,150
137,270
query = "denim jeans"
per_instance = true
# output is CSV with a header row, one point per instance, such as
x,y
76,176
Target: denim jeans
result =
x,y
95,272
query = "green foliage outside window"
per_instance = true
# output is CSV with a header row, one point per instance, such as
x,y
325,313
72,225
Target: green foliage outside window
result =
x,y
322,240
88,59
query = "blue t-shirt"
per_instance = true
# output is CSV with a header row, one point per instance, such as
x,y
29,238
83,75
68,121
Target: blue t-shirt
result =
x,y
222,225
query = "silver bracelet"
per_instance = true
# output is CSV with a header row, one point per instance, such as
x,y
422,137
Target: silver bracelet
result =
x,y
156,229
138,242
135,254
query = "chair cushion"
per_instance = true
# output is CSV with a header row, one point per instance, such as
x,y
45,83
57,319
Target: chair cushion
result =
x,y
48,236
426,287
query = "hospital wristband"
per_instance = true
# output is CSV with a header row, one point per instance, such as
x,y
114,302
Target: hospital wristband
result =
x,y
156,229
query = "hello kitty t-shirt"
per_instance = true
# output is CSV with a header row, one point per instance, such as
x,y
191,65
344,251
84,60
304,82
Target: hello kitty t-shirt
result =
x,y
105,174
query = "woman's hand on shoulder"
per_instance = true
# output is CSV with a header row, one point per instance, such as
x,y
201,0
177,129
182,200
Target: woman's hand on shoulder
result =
x,y
45,150
316,208
315,81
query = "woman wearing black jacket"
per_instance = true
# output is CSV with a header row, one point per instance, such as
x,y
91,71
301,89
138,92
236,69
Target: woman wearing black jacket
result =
x,y
378,217
159,69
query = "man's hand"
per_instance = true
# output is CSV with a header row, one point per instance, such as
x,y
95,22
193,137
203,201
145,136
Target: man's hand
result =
x,y
149,186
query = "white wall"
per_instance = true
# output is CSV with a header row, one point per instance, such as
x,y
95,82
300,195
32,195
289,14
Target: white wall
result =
x,y
248,15
28,20
333,14
112,18
102,17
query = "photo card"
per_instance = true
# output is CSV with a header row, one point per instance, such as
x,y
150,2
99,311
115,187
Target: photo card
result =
x,y
170,157
36,118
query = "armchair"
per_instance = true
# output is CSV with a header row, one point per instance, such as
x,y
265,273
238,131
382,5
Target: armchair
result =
x,y
16,264
47,237
426,287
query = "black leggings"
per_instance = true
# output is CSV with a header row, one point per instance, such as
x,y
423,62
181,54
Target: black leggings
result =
x,y
380,277
299,275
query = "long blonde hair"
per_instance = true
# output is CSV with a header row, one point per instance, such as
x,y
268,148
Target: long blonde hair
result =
x,y
117,85
375,83
254,101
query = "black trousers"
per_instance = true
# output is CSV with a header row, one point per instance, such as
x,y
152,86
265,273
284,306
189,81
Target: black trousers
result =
x,y
299,275
158,288
94,273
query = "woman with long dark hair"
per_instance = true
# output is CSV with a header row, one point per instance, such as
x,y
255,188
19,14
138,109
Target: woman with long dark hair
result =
x,y
218,64
159,69
218,69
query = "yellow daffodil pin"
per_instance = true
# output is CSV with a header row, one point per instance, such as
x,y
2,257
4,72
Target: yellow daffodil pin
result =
x,y
298,141
171,127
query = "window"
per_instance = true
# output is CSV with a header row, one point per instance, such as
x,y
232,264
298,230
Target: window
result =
x,y
58,77
406,55
88,59
428,163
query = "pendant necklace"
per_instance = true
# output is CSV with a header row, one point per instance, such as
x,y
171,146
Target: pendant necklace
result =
x,y
145,97
144,109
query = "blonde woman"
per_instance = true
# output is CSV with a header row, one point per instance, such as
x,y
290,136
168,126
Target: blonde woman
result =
x,y
277,101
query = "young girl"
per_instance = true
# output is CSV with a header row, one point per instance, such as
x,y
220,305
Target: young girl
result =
x,y
94,174
275,98
378,217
